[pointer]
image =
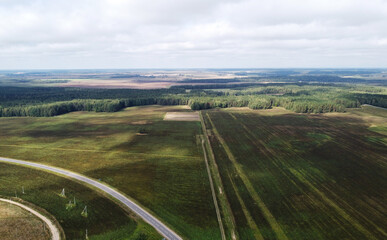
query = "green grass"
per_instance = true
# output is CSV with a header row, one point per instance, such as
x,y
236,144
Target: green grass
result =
x,y
43,189
163,170
371,110
307,176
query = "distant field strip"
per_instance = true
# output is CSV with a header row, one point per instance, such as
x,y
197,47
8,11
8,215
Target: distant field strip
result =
x,y
269,217
101,151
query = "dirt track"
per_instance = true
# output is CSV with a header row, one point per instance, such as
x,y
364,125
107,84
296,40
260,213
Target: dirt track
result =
x,y
55,234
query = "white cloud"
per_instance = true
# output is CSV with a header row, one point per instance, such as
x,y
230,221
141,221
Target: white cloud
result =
x,y
192,33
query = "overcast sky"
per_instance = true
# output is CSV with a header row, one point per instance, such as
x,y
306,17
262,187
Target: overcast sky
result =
x,y
57,34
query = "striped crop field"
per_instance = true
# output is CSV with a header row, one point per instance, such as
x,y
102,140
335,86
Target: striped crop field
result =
x,y
302,176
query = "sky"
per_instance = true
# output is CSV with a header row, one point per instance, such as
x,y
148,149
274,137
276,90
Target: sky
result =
x,y
77,34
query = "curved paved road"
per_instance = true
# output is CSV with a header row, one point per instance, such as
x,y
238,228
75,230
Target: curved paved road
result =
x,y
55,235
159,226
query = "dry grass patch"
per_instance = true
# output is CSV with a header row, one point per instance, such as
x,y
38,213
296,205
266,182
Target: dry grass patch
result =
x,y
182,116
17,223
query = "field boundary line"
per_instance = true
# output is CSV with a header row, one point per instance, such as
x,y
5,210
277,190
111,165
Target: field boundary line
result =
x,y
266,212
54,231
224,204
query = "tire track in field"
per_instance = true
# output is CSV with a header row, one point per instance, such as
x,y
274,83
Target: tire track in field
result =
x,y
277,162
330,202
341,212
249,218
266,212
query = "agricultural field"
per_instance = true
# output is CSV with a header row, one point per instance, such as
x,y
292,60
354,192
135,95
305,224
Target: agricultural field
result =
x,y
142,79
290,154
157,163
302,176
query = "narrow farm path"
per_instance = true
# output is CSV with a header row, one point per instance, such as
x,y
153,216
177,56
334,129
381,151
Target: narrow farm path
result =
x,y
213,193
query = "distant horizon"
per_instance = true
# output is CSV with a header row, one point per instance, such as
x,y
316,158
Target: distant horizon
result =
x,y
194,68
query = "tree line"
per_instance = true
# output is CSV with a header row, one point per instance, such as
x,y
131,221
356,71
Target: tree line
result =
x,y
107,105
46,102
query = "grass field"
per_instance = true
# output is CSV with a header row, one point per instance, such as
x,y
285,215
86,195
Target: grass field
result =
x,y
157,163
43,189
17,223
298,176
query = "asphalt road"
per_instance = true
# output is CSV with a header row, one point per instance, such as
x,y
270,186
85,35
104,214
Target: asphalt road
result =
x,y
55,235
159,226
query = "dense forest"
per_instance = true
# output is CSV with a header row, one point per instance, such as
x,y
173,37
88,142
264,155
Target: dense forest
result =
x,y
302,98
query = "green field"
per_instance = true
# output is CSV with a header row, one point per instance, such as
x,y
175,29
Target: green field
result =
x,y
299,176
43,189
157,163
